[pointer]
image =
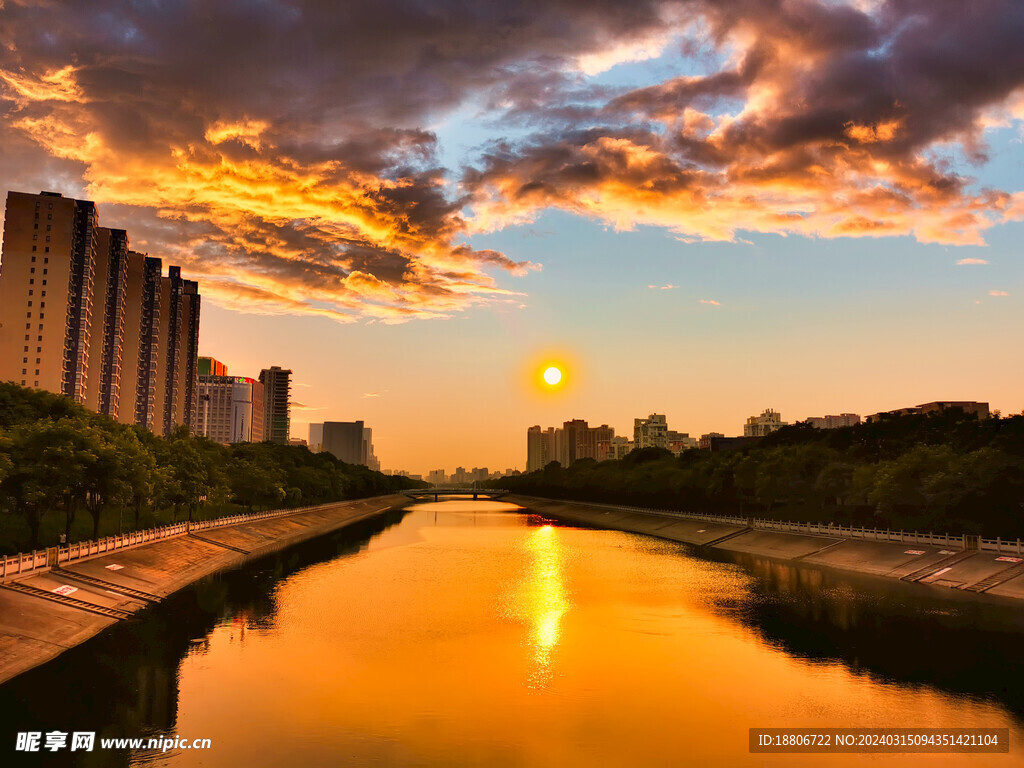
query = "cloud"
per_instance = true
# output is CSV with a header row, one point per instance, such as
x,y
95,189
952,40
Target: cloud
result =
x,y
998,293
371,394
666,287
283,153
818,119
712,302
295,406
963,262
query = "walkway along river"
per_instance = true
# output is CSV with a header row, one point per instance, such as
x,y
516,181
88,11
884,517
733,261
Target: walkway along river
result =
x,y
468,633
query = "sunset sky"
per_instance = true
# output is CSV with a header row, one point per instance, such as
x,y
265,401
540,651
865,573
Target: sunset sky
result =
x,y
702,209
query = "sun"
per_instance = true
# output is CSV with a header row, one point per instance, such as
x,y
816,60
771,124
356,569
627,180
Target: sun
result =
x,y
552,375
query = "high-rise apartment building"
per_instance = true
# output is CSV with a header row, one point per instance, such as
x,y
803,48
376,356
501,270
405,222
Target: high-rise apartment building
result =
x,y
573,441
141,342
230,409
119,338
759,426
49,255
277,393
107,329
651,432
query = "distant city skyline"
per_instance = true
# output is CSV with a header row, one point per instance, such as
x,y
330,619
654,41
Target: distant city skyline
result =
x,y
691,209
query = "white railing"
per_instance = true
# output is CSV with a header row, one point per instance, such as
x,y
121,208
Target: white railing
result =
x,y
848,532
15,565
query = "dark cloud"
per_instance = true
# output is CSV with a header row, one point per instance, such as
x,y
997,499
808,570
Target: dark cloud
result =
x,y
285,149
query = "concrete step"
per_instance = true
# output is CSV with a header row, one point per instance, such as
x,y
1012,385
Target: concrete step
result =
x,y
996,578
727,536
138,594
219,543
103,610
931,568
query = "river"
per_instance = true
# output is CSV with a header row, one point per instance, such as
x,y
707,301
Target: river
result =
x,y
472,633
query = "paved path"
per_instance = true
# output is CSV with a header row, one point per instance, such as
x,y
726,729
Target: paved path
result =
x,y
37,623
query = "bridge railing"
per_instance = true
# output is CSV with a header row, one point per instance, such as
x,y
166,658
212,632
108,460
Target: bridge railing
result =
x,y
42,559
962,541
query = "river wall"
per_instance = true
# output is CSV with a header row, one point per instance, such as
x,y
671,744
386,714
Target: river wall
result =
x,y
939,566
48,610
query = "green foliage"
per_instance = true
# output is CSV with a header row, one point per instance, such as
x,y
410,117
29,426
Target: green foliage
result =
x,y
56,456
945,472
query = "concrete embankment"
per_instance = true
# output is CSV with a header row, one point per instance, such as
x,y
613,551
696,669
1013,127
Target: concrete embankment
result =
x,y
47,611
973,571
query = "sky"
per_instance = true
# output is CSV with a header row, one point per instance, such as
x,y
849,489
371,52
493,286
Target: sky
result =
x,y
702,209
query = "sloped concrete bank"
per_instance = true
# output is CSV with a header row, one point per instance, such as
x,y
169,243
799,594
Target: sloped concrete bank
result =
x,y
972,571
45,613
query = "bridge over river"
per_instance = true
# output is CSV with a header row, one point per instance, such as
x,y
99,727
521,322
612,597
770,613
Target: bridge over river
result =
x,y
438,493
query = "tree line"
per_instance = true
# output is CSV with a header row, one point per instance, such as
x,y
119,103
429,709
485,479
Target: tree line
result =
x,y
60,462
941,472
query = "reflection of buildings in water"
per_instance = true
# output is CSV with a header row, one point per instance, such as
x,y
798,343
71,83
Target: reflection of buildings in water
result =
x,y
544,601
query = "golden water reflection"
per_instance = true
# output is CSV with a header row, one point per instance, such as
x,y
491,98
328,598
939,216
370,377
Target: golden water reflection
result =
x,y
543,600
484,638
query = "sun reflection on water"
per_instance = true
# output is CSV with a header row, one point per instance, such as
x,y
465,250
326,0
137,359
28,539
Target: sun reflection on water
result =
x,y
544,601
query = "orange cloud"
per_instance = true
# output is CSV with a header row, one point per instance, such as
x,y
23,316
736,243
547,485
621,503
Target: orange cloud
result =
x,y
963,262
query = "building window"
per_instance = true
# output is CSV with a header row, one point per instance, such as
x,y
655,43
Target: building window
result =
x,y
24,359
29,314
37,373
33,258
24,372
37,363
26,349
26,337
47,249
33,248
38,350
46,260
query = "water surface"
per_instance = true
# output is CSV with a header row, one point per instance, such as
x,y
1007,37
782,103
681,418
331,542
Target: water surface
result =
x,y
467,633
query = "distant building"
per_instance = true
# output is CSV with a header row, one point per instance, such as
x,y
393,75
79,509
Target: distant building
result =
x,y
705,440
834,422
437,477
344,439
369,459
613,449
651,432
277,390
758,426
208,366
298,442
969,407
680,441
316,437
726,444
230,409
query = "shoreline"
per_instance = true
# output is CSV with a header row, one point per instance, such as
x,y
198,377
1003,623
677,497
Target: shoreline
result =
x,y
969,572
49,611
